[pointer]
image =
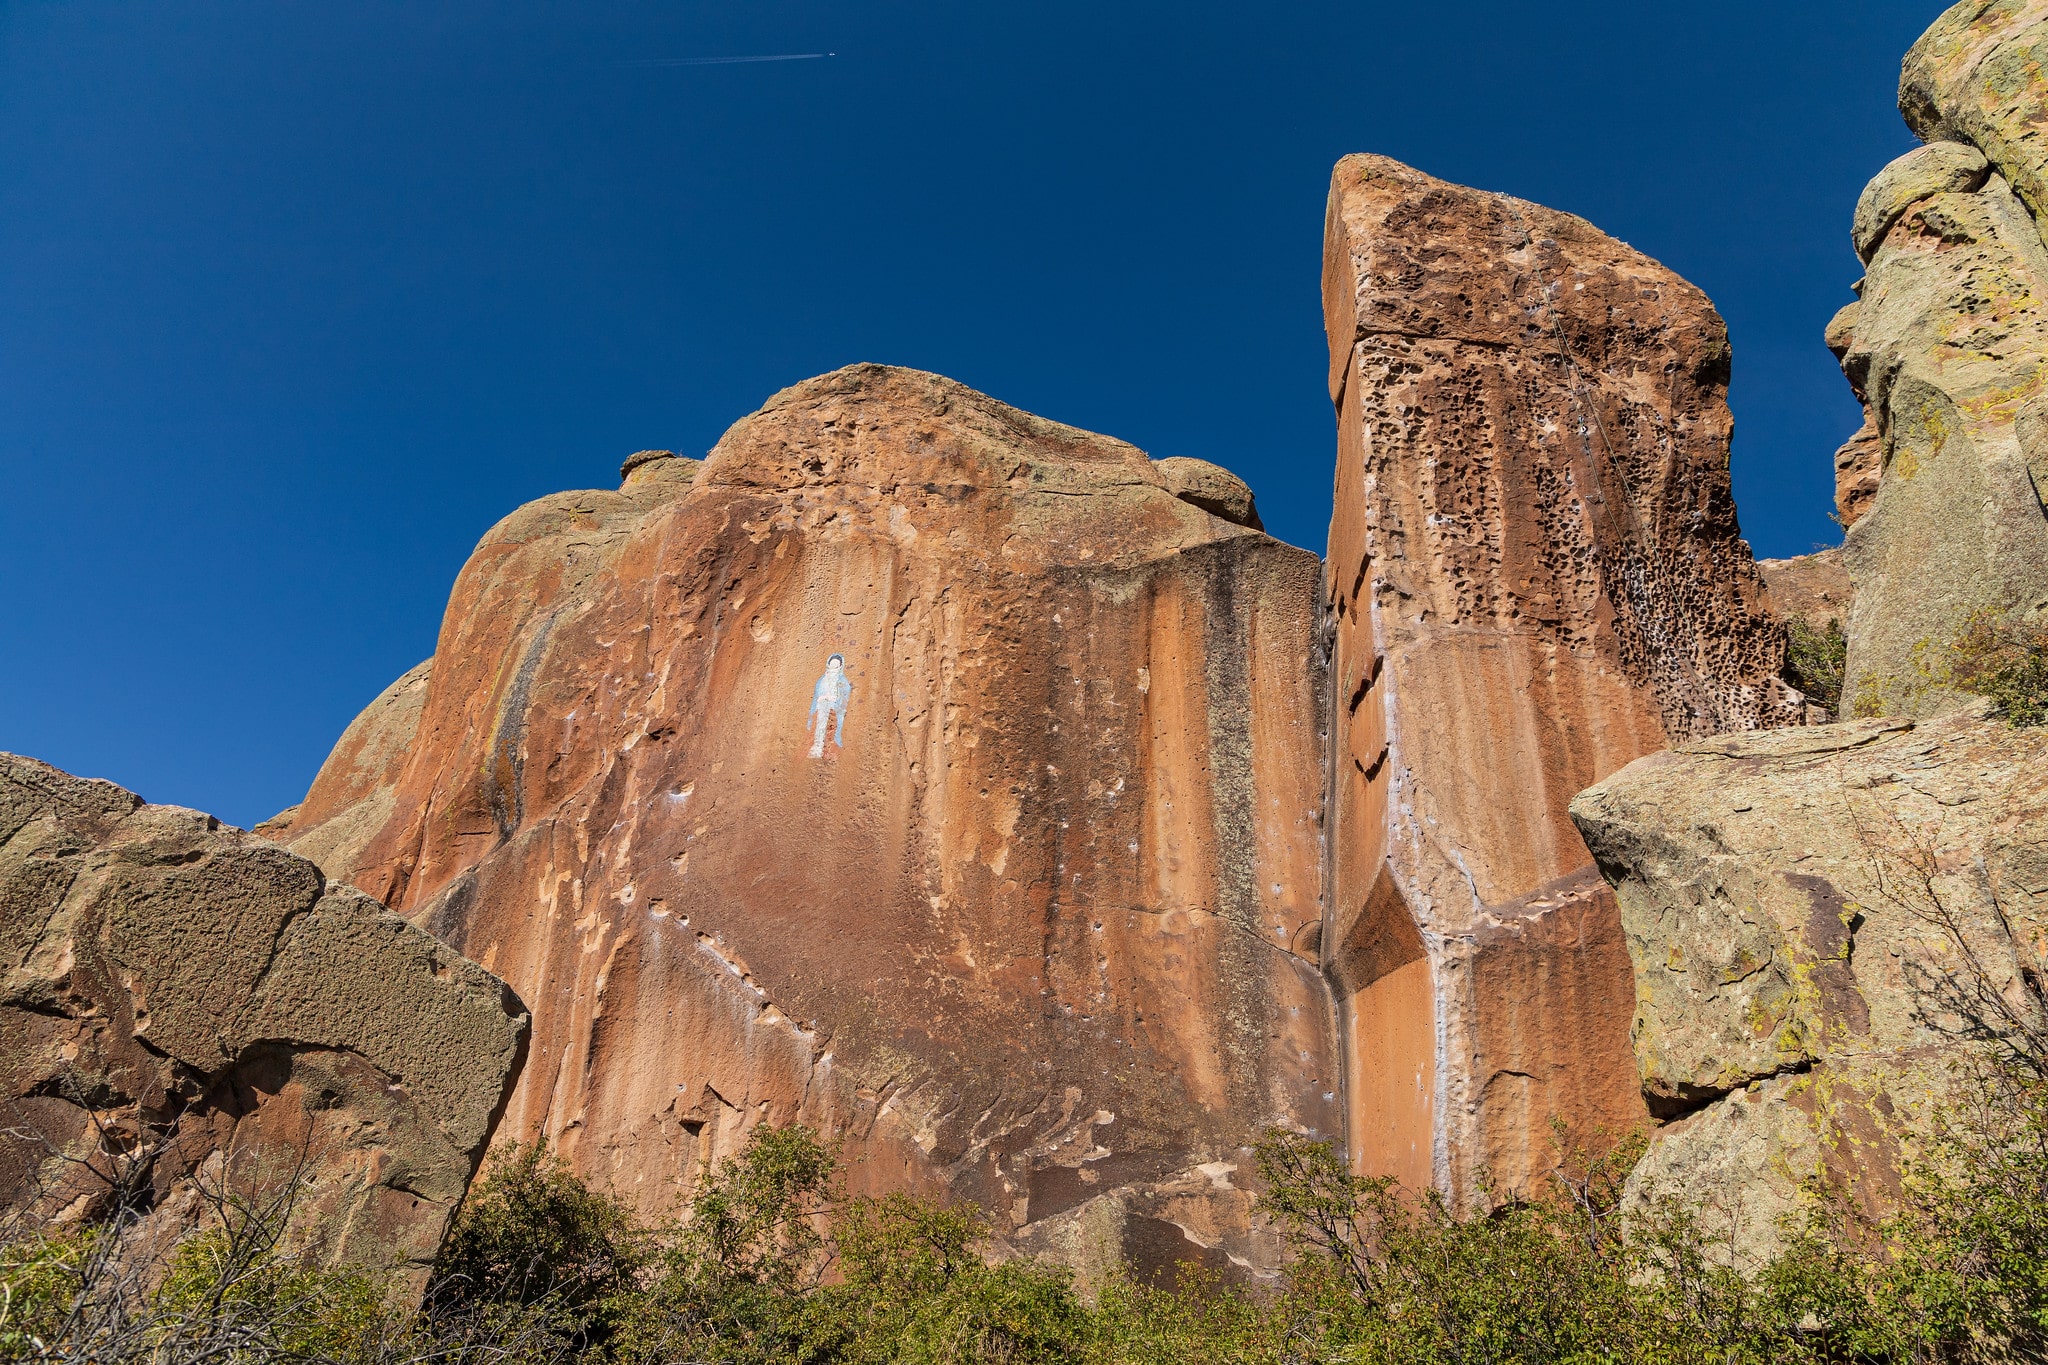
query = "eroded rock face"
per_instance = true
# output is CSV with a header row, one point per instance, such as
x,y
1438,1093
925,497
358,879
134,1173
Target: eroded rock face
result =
x,y
1976,77
916,768
1859,465
176,988
1798,905
1537,577
1937,168
1813,588
1945,348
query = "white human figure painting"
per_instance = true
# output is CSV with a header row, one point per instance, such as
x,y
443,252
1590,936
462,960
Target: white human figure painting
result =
x,y
828,706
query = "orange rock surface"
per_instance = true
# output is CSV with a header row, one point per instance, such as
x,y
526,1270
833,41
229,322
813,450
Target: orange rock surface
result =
x,y
912,767
1537,577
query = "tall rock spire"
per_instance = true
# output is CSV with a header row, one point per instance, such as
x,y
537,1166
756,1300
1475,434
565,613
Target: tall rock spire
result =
x,y
1537,577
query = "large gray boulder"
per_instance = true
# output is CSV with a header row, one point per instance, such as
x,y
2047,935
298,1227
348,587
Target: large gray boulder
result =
x,y
1815,916
187,1007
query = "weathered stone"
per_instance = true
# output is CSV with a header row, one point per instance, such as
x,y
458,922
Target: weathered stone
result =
x,y
642,457
1798,906
1859,466
1976,76
177,989
1746,1162
1812,588
1212,488
658,467
356,781
919,769
1937,168
1537,577
1946,349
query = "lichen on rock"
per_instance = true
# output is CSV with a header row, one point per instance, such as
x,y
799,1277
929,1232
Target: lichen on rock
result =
x,y
1809,913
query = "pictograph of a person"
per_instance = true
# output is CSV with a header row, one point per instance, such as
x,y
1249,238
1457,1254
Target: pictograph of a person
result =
x,y
828,706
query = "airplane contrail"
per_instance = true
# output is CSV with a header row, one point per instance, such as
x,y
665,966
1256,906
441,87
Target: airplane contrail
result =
x,y
731,61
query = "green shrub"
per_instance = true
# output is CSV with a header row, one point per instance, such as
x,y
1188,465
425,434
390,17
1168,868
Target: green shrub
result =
x,y
1395,1277
42,1278
1198,1318
770,1268
916,1291
536,1247
219,1284
1815,662
731,1284
2004,658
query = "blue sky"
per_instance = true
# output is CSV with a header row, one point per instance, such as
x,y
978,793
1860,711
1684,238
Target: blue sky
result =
x,y
297,299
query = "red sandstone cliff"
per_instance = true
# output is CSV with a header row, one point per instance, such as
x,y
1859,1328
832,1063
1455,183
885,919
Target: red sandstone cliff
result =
x,y
913,767
1537,577
957,781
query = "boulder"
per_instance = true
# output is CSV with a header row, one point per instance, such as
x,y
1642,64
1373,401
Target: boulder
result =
x,y
1946,348
187,1009
914,767
1814,917
1536,576
1976,77
1937,168
1212,488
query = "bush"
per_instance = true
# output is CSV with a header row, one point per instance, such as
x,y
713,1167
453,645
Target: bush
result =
x,y
222,1287
1390,1276
1816,662
771,1268
731,1283
916,1291
43,1277
2001,657
533,1237
225,1292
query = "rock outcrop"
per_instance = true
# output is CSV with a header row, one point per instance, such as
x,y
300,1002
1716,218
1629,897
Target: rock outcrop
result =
x,y
357,781
1537,577
913,767
1859,464
1813,915
1975,77
1813,588
1816,917
1946,348
185,1007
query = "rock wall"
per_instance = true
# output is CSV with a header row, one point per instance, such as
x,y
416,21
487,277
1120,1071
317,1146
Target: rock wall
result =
x,y
1946,348
1799,905
1537,577
1813,916
1813,588
913,767
185,1007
